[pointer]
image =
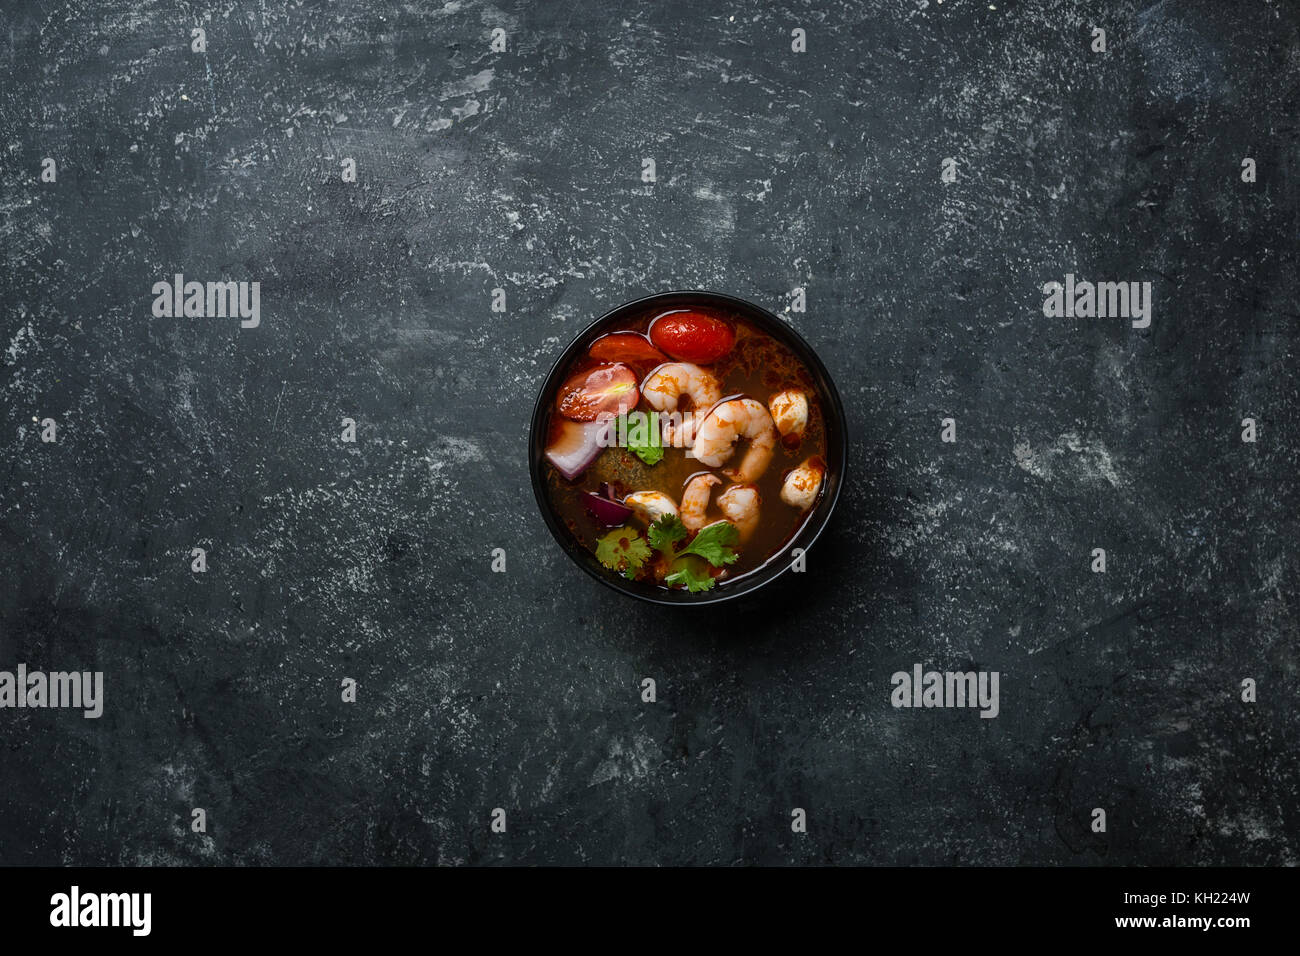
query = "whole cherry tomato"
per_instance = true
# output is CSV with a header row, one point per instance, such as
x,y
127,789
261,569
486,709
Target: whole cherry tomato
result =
x,y
692,336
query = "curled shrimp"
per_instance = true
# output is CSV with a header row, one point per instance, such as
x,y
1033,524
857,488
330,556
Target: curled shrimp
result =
x,y
695,500
652,505
679,431
740,504
737,418
801,485
664,387
789,408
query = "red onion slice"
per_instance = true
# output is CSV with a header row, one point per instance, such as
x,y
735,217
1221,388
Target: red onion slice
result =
x,y
578,445
609,513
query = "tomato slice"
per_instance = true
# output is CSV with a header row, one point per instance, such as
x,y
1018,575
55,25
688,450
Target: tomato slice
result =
x,y
692,336
626,347
606,389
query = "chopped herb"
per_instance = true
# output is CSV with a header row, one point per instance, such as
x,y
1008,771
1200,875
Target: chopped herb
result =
x,y
622,550
688,566
693,573
714,542
666,532
639,434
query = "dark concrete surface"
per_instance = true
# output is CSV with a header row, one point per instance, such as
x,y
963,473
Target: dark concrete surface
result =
x,y
521,170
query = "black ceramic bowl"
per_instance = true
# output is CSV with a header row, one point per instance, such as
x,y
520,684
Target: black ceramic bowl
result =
x,y
836,449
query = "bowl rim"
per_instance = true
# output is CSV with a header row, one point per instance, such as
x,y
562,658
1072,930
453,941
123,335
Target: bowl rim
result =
x,y
561,534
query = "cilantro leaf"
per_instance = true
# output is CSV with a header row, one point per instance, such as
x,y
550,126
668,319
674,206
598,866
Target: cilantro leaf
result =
x,y
713,543
622,550
689,573
639,433
689,567
666,532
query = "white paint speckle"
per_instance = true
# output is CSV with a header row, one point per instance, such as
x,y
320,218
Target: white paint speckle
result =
x,y
1069,456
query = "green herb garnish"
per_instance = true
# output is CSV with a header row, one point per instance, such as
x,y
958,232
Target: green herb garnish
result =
x,y
639,434
622,550
689,566
714,542
666,532
692,572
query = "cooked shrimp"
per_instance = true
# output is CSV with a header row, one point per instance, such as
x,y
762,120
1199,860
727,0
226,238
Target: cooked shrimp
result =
x,y
679,430
695,500
664,387
789,409
736,418
802,484
652,505
740,503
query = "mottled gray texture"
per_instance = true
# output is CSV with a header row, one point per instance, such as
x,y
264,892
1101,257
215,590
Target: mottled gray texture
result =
x,y
521,170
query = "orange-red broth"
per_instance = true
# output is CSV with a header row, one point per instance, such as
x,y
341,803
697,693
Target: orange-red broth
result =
x,y
757,366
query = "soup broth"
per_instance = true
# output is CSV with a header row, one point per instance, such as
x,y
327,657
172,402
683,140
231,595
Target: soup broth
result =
x,y
693,517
